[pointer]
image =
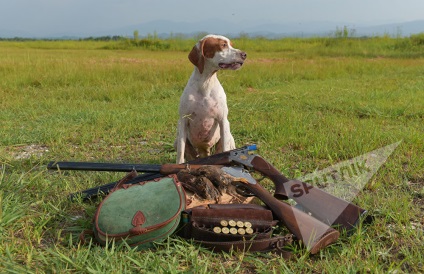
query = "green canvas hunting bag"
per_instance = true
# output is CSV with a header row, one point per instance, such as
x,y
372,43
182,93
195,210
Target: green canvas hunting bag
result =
x,y
140,214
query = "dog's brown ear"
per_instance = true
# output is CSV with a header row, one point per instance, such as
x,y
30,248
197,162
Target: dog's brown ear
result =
x,y
196,57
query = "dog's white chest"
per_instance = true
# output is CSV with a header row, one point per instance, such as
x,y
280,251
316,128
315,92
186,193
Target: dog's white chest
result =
x,y
203,114
209,107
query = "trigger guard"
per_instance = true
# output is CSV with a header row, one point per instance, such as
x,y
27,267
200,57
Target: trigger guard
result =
x,y
243,191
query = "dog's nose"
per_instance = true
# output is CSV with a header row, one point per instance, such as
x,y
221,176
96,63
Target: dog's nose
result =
x,y
243,55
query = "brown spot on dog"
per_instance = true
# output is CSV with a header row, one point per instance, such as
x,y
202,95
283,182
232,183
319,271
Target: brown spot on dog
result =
x,y
211,45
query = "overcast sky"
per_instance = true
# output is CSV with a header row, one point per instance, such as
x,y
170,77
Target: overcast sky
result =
x,y
53,16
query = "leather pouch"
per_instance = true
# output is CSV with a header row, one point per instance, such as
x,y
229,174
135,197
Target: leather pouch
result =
x,y
240,227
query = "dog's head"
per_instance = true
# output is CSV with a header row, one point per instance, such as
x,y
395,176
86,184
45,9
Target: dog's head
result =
x,y
216,51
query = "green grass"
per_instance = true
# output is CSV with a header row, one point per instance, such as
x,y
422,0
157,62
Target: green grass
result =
x,y
308,103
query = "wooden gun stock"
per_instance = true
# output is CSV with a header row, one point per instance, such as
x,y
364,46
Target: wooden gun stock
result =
x,y
322,205
314,234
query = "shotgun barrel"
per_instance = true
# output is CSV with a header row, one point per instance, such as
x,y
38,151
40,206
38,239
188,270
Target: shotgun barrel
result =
x,y
91,193
89,166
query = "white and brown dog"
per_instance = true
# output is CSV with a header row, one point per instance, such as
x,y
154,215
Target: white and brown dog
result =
x,y
203,123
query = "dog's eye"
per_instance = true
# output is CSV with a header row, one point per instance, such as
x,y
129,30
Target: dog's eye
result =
x,y
224,45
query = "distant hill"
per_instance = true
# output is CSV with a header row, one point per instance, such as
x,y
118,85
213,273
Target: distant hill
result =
x,y
164,28
399,29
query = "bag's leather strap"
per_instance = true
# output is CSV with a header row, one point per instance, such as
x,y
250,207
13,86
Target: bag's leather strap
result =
x,y
235,206
274,244
83,235
129,176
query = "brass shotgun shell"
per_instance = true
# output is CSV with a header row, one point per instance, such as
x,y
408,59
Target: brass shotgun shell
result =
x,y
217,229
249,230
223,223
225,230
240,224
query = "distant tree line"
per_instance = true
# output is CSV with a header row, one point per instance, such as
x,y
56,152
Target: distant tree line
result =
x,y
100,38
155,42
104,38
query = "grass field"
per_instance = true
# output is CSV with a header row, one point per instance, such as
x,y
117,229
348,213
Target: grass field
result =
x,y
308,104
